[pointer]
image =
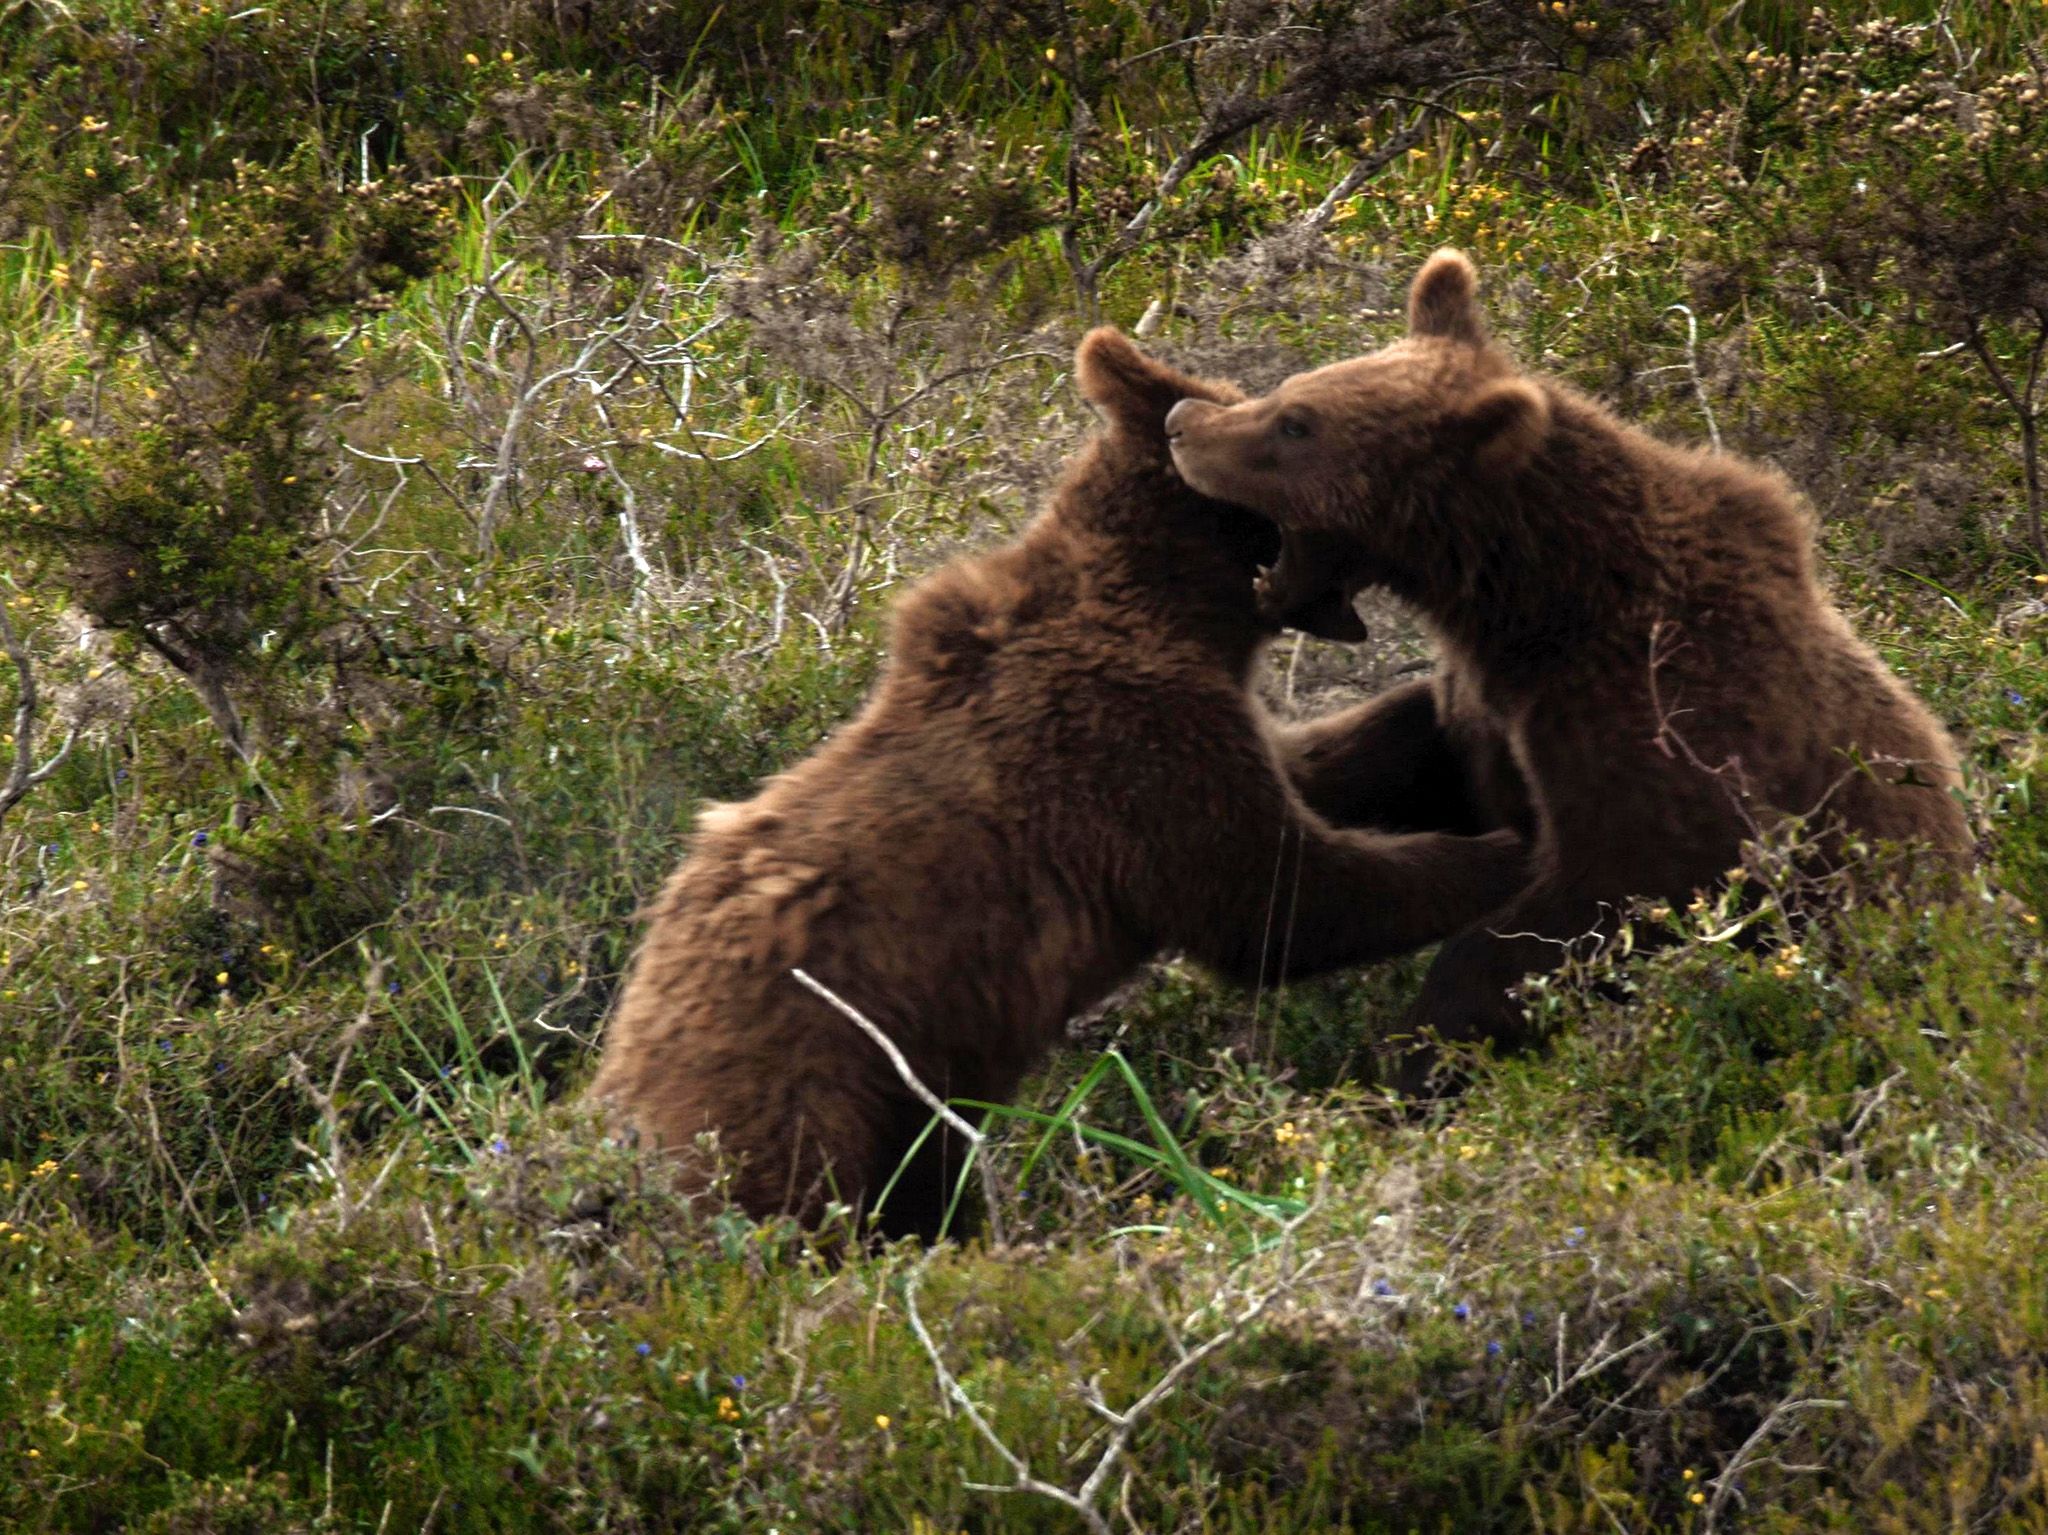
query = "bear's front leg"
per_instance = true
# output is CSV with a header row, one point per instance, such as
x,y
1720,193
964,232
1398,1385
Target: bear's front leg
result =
x,y
1314,899
1386,763
1467,997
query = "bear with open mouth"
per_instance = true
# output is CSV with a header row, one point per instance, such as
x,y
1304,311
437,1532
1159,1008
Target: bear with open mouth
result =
x,y
1637,664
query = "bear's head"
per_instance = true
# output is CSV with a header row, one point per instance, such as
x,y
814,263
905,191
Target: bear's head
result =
x,y
1136,393
1132,484
1346,447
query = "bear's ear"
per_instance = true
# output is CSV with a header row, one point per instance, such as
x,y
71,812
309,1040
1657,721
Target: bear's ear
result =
x,y
1444,300
1135,391
1501,425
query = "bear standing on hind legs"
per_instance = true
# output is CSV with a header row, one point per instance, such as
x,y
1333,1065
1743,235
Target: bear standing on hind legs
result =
x,y
1637,664
1059,773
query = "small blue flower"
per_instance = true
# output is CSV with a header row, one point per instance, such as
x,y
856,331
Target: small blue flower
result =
x,y
120,775
1381,1287
1575,1236
164,1045
1528,1319
220,1068
739,1383
199,839
1461,1311
1493,1348
499,1146
262,1199
2014,697
51,849
643,1349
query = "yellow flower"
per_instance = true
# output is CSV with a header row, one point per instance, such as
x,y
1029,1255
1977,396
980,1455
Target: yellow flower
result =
x,y
1699,1497
221,978
882,1418
471,60
505,57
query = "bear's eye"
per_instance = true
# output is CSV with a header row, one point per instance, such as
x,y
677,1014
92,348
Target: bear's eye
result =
x,y
1293,426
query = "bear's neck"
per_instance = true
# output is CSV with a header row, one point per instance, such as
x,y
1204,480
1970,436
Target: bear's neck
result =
x,y
1155,557
1566,553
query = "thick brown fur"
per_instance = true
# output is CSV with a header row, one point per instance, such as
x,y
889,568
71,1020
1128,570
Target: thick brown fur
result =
x,y
1637,664
1059,773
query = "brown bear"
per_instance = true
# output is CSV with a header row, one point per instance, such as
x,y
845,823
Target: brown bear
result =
x,y
1059,772
1637,664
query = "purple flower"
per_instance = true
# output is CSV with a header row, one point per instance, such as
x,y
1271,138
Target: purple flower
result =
x,y
1528,1319
1493,1348
1462,1312
643,1349
499,1146
1381,1287
2014,697
199,839
739,1383
1575,1236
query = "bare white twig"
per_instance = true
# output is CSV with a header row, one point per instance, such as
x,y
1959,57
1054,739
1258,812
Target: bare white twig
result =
x,y
1692,368
1124,1424
1363,170
950,1117
1724,1484
331,1162
24,773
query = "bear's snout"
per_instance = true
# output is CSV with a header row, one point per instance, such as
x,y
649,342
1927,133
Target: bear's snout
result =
x,y
1186,414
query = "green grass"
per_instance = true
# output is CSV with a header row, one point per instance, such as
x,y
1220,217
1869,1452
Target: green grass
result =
x,y
303,1229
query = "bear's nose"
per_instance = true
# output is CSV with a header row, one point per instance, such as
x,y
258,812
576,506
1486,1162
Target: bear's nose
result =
x,y
1182,416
